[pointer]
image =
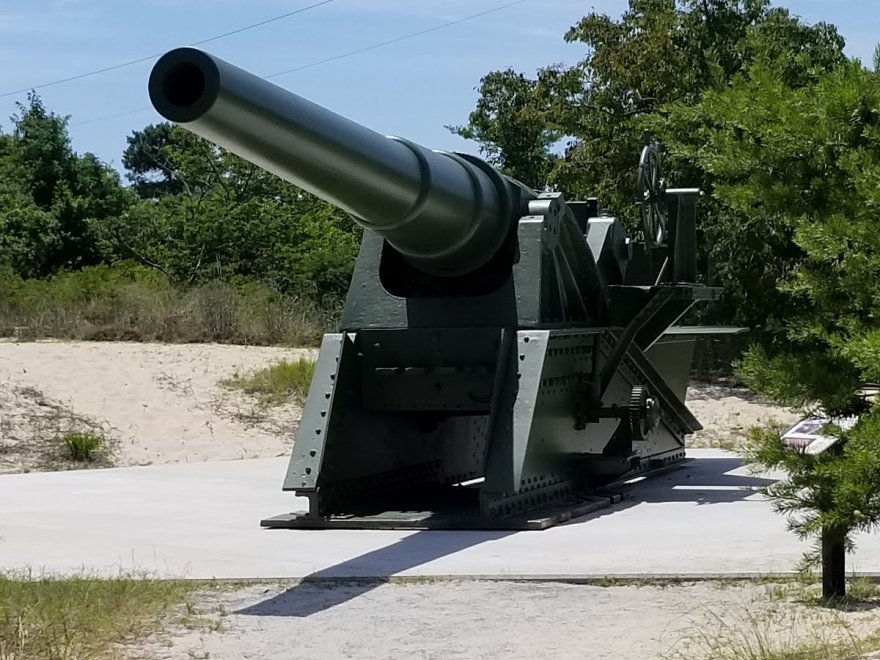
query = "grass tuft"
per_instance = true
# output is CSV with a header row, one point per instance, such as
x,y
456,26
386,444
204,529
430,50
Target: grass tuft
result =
x,y
53,618
278,383
82,447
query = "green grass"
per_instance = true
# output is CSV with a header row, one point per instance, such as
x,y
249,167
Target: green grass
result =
x,y
860,590
78,618
43,434
82,617
277,383
82,447
806,589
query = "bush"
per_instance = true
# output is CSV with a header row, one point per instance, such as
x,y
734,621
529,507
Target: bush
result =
x,y
128,302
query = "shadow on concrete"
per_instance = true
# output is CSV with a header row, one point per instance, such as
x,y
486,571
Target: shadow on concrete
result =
x,y
340,583
704,481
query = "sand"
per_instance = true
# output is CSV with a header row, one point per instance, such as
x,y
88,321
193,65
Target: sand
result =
x,y
727,413
157,403
476,619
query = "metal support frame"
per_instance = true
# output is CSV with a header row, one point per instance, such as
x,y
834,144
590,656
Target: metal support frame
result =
x,y
497,403
658,299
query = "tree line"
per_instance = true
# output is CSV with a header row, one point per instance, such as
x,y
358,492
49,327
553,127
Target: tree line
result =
x,y
191,211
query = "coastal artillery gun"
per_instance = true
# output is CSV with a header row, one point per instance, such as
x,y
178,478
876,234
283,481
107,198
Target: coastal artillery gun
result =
x,y
503,353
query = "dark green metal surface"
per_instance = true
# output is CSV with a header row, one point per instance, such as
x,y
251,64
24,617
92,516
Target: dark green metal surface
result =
x,y
446,214
492,335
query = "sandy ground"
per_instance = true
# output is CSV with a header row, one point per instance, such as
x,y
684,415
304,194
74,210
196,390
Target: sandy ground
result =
x,y
727,413
507,620
164,403
157,403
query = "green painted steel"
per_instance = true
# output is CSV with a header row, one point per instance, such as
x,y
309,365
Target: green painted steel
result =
x,y
446,214
502,353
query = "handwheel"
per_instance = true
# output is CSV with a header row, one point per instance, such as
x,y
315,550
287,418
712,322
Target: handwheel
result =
x,y
651,191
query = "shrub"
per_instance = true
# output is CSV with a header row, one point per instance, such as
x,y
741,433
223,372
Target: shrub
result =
x,y
128,302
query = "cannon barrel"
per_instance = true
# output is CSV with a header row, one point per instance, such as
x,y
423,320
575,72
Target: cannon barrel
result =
x,y
446,213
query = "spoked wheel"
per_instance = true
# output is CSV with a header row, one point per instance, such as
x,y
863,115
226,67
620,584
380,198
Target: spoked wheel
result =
x,y
650,193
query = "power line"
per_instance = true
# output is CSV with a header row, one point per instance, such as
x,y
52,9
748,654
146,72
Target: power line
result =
x,y
396,40
337,57
109,117
154,56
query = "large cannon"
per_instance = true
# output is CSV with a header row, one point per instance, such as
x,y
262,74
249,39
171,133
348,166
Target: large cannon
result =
x,y
503,354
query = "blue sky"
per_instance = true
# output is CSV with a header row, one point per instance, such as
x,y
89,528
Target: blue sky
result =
x,y
411,88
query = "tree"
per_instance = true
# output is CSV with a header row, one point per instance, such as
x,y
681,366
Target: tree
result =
x,y
802,165
54,204
512,123
207,213
149,159
827,497
659,52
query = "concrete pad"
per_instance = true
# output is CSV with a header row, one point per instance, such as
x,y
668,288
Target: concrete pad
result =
x,y
202,521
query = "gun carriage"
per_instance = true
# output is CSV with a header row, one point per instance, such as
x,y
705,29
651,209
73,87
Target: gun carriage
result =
x,y
503,354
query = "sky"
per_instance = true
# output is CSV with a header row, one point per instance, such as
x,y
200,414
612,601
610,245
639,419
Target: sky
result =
x,y
412,88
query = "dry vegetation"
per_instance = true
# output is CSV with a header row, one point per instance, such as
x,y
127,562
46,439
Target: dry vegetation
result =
x,y
784,621
728,412
38,433
138,617
128,403
145,310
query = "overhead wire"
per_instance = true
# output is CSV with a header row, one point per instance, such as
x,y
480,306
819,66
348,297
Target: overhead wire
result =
x,y
396,40
334,58
147,58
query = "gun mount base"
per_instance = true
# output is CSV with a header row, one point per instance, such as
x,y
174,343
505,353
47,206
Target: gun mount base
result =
x,y
457,508
448,518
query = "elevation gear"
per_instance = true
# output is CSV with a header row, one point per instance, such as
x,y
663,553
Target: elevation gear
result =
x,y
644,413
